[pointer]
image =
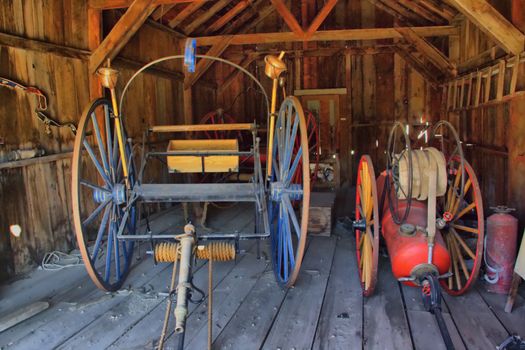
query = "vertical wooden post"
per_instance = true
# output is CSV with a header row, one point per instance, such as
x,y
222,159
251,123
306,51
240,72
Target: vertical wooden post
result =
x,y
488,84
94,40
515,70
479,79
297,64
462,93
347,130
500,88
470,87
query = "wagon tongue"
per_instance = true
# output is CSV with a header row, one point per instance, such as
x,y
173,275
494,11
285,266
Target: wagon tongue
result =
x,y
431,294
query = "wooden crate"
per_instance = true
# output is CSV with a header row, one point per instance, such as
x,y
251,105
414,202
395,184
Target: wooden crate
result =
x,y
321,216
212,164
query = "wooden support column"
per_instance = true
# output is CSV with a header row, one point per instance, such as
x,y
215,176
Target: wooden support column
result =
x,y
514,78
94,39
500,88
119,36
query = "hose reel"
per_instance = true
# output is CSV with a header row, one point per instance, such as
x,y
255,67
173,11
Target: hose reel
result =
x,y
423,161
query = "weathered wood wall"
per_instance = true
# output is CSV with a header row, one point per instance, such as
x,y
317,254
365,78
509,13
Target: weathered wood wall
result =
x,y
37,195
490,118
381,86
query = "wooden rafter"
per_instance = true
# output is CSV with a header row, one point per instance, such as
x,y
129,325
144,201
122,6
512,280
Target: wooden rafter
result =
x,y
219,5
320,17
492,23
119,36
328,35
203,64
420,11
117,4
390,11
437,9
263,13
247,15
228,16
429,51
288,17
404,12
185,13
161,11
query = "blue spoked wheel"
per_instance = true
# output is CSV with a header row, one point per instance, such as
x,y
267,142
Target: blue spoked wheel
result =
x,y
101,207
289,193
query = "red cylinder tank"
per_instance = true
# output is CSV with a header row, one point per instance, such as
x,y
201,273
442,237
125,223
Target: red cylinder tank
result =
x,y
407,251
500,250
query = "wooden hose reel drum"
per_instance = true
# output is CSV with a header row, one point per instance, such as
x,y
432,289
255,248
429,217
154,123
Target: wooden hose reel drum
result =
x,y
436,230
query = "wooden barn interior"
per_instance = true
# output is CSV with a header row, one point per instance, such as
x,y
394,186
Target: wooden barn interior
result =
x,y
382,78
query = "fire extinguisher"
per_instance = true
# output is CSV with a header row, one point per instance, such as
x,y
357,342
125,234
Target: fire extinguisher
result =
x,y
500,249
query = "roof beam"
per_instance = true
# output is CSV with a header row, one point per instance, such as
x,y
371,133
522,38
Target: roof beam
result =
x,y
262,14
492,23
161,11
118,4
320,17
420,11
228,16
185,13
219,5
288,17
328,35
203,64
119,36
435,56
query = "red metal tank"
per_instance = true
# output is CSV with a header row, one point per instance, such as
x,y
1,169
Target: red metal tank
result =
x,y
500,250
406,250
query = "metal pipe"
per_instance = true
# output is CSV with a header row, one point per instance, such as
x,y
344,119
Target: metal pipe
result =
x,y
214,237
200,154
186,246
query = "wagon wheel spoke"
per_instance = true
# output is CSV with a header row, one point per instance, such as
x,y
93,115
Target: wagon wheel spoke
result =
x,y
367,241
289,188
464,232
101,206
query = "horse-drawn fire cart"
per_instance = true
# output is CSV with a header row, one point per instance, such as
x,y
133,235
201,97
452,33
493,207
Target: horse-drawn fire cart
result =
x,y
108,188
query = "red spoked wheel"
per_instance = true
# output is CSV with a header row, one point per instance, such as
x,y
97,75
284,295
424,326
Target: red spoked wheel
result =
x,y
312,125
219,117
464,232
367,236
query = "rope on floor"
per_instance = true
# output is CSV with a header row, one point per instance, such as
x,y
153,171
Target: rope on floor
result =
x,y
57,260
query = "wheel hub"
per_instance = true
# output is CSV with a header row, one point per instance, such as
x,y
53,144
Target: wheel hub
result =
x,y
278,189
118,195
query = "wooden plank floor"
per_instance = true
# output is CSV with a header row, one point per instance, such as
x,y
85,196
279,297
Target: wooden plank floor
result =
x,y
324,311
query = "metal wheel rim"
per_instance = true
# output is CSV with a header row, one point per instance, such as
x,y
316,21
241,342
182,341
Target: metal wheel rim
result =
x,y
78,183
390,178
451,240
366,188
281,211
